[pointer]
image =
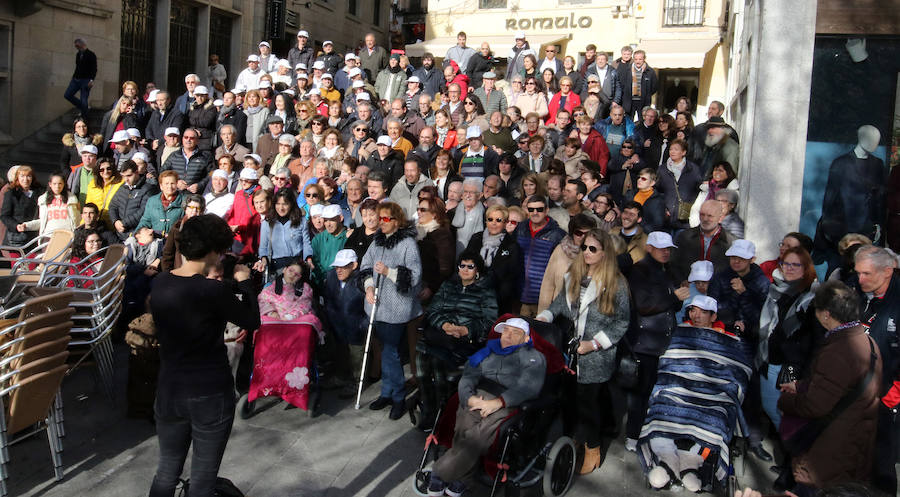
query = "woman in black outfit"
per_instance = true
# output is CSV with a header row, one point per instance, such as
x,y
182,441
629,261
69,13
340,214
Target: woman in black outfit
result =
x,y
195,397
20,206
502,257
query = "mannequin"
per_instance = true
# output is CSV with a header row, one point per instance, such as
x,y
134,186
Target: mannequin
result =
x,y
854,200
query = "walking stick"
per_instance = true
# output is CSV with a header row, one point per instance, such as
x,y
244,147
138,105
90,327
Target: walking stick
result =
x,y
362,373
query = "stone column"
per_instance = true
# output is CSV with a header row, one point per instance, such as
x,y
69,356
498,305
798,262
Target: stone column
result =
x,y
161,62
773,139
202,53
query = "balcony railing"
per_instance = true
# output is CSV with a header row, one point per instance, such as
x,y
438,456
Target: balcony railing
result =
x,y
683,13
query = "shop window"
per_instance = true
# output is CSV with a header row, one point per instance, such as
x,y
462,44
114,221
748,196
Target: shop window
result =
x,y
683,13
492,4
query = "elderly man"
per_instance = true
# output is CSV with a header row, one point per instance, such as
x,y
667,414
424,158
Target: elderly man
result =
x,y
411,123
491,98
718,147
202,117
267,146
537,238
517,53
480,64
426,152
229,145
615,129
455,106
707,242
609,88
478,161
183,103
192,164
302,53
515,372
372,58
399,143
426,112
497,137
714,115
164,117
405,192
470,219
639,84
249,77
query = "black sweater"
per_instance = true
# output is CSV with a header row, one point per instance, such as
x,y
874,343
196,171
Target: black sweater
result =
x,y
190,316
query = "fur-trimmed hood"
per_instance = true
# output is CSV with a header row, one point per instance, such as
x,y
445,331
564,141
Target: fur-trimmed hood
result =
x,y
68,139
392,241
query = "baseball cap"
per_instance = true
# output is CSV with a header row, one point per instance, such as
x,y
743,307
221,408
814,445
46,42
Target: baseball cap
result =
x,y
218,173
701,271
201,90
349,56
302,33
89,149
283,63
327,76
265,84
218,102
515,323
248,174
742,248
354,72
363,96
172,131
660,240
520,35
358,84
120,136
314,91
300,65
384,140
256,158
413,79
143,157
152,96
704,302
302,75
316,210
253,58
343,257
327,42
473,131
318,64
264,44
331,211
134,132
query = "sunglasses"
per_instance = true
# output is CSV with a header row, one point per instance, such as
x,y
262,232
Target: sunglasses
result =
x,y
627,147
279,178
317,124
643,179
387,219
361,129
105,169
536,209
579,233
470,103
312,195
512,222
496,220
467,266
592,248
531,83
188,138
422,209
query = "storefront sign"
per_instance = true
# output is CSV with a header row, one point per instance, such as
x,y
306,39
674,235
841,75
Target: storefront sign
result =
x,y
561,22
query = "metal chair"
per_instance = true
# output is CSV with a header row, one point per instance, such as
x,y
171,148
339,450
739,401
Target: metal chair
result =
x,y
31,262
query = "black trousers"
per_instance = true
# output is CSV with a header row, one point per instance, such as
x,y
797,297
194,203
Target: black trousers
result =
x,y
639,397
594,412
884,474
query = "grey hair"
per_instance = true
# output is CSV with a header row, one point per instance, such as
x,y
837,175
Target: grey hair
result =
x,y
731,196
80,41
392,120
229,126
878,256
283,170
190,77
359,122
364,102
473,181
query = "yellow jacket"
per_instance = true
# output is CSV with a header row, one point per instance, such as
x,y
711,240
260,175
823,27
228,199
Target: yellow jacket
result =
x,y
102,197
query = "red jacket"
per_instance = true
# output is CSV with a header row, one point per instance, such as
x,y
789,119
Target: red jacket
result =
x,y
595,147
461,79
243,215
572,101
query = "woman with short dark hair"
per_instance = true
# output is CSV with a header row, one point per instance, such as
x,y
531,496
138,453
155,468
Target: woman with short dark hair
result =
x,y
195,397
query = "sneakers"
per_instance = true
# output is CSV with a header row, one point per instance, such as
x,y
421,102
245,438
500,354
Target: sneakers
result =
x,y
455,489
398,409
380,403
435,487
630,444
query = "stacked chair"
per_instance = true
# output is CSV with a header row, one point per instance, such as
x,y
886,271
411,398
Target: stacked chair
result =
x,y
29,263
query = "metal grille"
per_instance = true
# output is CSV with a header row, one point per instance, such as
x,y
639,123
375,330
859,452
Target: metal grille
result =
x,y
683,13
182,45
137,45
220,37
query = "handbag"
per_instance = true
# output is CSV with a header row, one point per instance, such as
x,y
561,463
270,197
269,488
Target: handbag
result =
x,y
654,332
627,366
683,208
787,374
16,238
799,434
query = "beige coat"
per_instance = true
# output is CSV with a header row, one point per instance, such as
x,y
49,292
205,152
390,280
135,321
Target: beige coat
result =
x,y
556,271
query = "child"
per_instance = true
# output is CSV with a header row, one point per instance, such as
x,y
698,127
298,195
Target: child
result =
x,y
701,273
327,243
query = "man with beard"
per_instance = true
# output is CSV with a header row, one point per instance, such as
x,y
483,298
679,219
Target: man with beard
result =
x,y
426,151
714,118
572,195
430,79
719,147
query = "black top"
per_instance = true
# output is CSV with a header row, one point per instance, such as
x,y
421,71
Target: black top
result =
x,y
190,315
85,65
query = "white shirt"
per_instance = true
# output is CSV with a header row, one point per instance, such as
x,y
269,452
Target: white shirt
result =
x,y
551,63
248,79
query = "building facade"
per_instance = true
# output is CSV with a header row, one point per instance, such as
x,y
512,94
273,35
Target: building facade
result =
x,y
682,38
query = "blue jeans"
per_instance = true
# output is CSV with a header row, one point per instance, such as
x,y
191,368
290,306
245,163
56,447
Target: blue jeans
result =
x,y
204,421
393,382
79,86
768,390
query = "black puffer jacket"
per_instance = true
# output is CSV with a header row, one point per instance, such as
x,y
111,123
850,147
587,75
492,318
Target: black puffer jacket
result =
x,y
653,295
391,167
128,204
195,170
504,270
473,306
203,119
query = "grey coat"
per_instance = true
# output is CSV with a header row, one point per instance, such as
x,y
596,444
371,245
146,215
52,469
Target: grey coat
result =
x,y
521,373
398,300
597,366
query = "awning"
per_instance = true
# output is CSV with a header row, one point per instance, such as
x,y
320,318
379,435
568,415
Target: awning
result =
x,y
680,53
500,44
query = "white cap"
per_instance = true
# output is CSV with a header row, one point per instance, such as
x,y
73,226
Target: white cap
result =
x,y
283,63
327,42
218,102
358,84
742,248
140,156
120,136
302,75
384,140
515,323
331,211
256,158
660,240
316,210
289,92
701,271
363,96
318,64
343,257
201,90
89,149
239,89
515,134
704,302
349,56
172,131
264,44
314,91
302,33
265,84
253,58
520,35
300,65
473,131
327,76
220,173
249,174
413,79
134,132
152,96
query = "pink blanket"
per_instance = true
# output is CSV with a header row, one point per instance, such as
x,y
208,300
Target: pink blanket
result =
x,y
282,359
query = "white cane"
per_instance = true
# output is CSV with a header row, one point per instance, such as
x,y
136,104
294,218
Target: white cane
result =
x,y
362,373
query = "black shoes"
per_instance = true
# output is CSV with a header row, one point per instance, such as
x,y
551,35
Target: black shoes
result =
x,y
760,453
397,410
380,403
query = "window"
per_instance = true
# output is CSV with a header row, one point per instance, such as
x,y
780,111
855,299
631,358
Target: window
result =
x,y
351,7
6,34
683,13
492,4
137,48
376,13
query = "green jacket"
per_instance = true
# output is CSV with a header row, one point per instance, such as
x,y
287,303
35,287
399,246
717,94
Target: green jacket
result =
x,y
325,246
159,219
473,306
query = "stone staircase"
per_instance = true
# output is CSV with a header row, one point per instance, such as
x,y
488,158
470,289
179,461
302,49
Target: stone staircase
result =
x,y
41,150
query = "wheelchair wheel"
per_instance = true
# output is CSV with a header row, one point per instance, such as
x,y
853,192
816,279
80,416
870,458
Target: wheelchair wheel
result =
x,y
312,405
245,408
559,468
420,480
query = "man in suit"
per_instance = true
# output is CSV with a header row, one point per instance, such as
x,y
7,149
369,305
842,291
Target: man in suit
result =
x,y
83,77
551,61
372,59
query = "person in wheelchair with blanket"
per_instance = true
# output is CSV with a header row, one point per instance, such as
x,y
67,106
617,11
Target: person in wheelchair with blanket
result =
x,y
505,373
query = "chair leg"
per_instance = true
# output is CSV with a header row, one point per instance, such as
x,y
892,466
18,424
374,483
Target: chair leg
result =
x,y
58,407
4,453
55,446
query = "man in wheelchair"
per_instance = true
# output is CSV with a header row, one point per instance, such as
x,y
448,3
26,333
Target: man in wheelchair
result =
x,y
505,373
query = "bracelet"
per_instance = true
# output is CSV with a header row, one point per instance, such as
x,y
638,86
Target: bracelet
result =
x,y
595,344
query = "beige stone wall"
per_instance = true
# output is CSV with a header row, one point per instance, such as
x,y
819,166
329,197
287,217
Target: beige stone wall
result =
x,y
44,59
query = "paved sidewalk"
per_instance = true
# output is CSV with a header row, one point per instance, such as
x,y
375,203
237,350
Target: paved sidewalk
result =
x,y
342,452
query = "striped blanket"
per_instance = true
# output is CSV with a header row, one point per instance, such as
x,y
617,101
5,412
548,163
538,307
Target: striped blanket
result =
x,y
701,383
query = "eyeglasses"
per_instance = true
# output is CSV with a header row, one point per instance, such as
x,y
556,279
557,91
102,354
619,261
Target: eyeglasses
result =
x,y
312,195
317,124
422,209
791,265
387,219
512,222
536,209
105,169
496,220
531,83
592,248
280,178
517,82
470,103
467,266
579,233
641,178
627,147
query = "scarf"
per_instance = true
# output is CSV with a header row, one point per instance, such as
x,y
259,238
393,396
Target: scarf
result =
x,y
254,110
642,196
422,230
636,75
713,189
442,135
676,168
768,319
281,160
329,153
569,247
494,347
489,246
81,141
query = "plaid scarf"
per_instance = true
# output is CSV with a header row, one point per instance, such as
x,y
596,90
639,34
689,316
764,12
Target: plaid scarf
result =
x,y
636,75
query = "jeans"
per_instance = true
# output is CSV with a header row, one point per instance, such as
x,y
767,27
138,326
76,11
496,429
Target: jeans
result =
x,y
769,393
204,421
393,382
79,86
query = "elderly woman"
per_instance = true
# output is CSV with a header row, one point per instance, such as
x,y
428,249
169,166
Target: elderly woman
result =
x,y
20,205
360,145
242,217
285,153
257,114
731,221
306,111
515,90
566,98
847,363
392,264
219,199
457,324
595,297
501,255
469,219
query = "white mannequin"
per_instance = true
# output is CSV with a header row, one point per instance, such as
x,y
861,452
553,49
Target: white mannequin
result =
x,y
868,139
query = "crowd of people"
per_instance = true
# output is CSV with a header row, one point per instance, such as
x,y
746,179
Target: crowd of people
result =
x,y
462,194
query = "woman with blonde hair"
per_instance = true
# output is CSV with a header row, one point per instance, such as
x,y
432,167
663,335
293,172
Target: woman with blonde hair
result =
x,y
141,110
596,299
306,111
257,114
119,118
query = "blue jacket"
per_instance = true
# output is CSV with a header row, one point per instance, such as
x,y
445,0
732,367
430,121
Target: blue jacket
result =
x,y
344,308
744,307
602,126
284,240
536,253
